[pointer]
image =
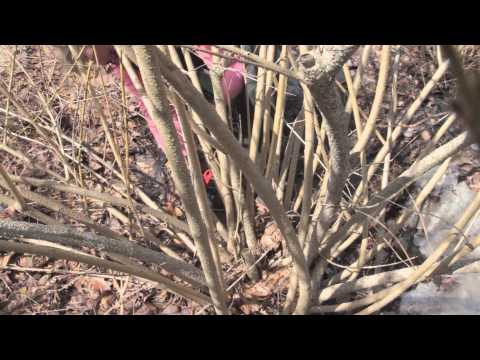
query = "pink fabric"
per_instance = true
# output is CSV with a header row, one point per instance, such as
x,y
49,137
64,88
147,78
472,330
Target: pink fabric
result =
x,y
232,86
143,110
232,77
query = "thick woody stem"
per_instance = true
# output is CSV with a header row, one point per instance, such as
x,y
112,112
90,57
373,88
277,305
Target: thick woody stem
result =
x,y
319,67
157,105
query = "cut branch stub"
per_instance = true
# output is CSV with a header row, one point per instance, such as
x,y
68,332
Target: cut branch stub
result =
x,y
322,62
307,61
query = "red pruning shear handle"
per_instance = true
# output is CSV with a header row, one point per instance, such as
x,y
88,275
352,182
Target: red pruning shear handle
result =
x,y
207,176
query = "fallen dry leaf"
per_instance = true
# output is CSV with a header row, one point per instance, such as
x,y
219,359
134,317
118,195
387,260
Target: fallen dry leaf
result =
x,y
171,310
5,278
271,238
25,261
106,302
4,260
473,181
7,213
44,279
178,212
426,135
187,310
95,286
146,309
259,290
95,166
262,208
248,309
266,287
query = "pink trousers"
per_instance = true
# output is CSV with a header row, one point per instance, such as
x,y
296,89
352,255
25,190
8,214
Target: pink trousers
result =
x,y
232,83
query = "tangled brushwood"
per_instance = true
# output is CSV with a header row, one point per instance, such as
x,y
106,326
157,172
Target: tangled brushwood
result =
x,y
228,179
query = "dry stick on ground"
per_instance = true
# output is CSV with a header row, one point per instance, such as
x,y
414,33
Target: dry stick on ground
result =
x,y
214,123
400,221
88,151
67,236
125,164
109,199
26,116
181,269
94,261
430,264
369,282
377,202
147,234
53,119
23,112
150,63
56,176
401,182
81,126
40,130
422,195
50,221
9,185
366,282
60,208
29,211
20,108
453,261
110,138
471,113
